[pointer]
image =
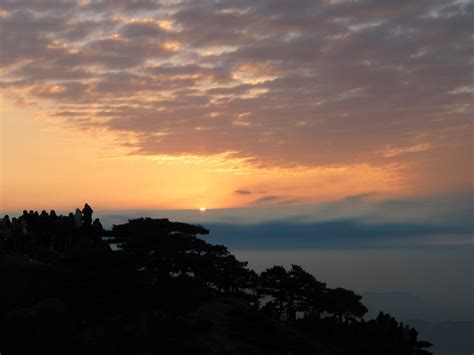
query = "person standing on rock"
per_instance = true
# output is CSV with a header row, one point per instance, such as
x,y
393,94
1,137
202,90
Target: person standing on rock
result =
x,y
87,214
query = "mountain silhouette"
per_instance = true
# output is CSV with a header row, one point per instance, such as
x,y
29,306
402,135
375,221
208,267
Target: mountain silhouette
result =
x,y
162,289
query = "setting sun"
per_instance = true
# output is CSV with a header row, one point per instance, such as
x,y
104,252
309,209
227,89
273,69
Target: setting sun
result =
x,y
202,209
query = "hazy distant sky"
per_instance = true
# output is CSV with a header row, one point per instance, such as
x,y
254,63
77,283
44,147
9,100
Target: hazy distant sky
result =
x,y
183,104
423,246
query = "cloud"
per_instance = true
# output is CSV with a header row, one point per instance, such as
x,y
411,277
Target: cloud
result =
x,y
244,192
284,83
392,152
359,197
354,223
339,234
272,200
289,202
266,200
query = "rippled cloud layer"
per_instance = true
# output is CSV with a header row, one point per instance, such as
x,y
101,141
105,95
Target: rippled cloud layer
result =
x,y
275,82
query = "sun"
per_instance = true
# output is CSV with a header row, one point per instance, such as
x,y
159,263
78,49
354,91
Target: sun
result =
x,y
202,209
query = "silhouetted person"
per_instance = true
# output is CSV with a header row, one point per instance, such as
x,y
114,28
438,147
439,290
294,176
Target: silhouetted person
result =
x,y
15,233
71,219
405,330
43,228
97,230
413,336
53,225
78,221
5,226
23,232
69,225
8,223
381,317
87,213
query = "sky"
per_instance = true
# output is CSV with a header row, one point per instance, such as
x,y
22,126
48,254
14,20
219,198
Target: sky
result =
x,y
173,104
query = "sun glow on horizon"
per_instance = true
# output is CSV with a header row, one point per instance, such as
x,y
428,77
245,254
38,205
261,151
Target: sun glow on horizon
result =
x,y
222,180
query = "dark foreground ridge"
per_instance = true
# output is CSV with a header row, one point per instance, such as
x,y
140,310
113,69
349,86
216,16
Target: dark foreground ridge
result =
x,y
151,286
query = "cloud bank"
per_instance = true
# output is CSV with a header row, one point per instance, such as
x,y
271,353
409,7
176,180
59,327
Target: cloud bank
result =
x,y
276,82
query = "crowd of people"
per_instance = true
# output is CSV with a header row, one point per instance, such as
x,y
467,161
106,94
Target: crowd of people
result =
x,y
400,331
33,231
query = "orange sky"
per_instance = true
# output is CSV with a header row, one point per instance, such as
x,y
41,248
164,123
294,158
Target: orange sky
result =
x,y
44,166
